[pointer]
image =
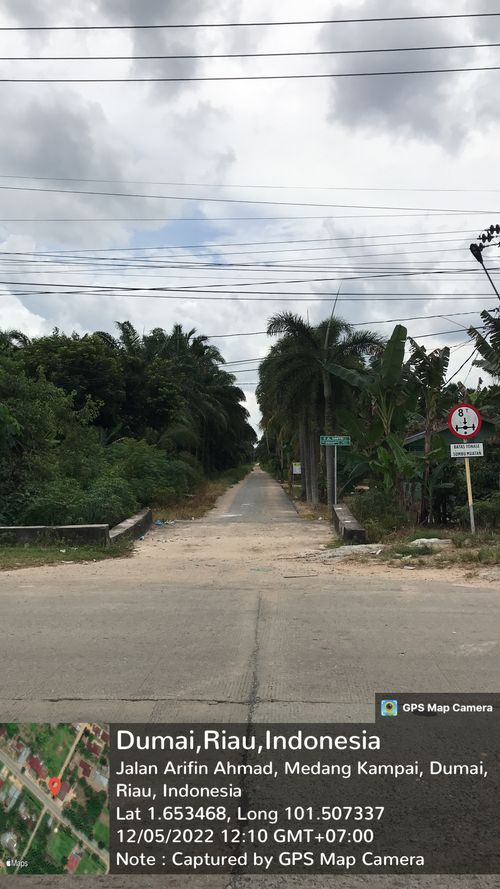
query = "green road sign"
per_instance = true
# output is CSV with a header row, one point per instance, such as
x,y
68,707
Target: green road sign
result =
x,y
339,440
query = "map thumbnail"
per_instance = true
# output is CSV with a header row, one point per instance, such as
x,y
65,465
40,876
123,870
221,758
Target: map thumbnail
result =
x,y
54,814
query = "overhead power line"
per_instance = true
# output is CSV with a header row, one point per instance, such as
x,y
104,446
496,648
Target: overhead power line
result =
x,y
368,322
413,336
245,77
256,186
214,248
461,367
259,24
253,202
425,234
167,261
203,293
248,55
210,220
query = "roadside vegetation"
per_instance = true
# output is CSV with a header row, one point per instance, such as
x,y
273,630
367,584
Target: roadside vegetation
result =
x,y
333,378
93,428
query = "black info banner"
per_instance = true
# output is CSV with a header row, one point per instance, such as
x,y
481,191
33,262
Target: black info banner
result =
x,y
415,792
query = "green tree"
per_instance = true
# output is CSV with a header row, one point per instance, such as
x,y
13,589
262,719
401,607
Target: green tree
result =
x,y
83,367
430,370
317,348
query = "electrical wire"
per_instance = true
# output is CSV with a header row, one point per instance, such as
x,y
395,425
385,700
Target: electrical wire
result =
x,y
253,202
267,243
461,367
254,186
368,322
74,258
248,55
246,77
259,24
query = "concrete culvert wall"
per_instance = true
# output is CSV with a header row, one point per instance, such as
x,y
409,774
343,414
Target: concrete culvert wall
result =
x,y
94,535
346,526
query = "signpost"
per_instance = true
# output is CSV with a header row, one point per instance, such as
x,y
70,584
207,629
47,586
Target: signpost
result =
x,y
297,468
464,421
467,449
335,441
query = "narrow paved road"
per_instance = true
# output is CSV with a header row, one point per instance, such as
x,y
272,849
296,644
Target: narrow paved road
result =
x,y
217,619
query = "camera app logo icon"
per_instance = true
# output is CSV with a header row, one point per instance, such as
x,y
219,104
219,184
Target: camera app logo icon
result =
x,y
389,708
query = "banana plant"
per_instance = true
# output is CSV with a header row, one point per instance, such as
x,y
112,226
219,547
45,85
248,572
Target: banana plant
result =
x,y
388,383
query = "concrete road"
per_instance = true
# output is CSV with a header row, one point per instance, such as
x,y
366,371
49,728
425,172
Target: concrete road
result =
x,y
217,620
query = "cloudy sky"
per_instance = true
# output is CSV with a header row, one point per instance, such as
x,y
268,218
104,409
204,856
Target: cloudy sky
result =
x,y
281,189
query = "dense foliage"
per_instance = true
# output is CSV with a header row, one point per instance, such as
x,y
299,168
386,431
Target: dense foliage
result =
x,y
93,427
332,379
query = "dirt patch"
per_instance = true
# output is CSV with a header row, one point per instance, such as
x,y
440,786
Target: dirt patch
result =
x,y
437,567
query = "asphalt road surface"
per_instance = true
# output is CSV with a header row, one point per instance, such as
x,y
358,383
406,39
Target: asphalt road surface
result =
x,y
218,620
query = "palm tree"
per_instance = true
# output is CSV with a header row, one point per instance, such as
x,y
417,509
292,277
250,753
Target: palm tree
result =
x,y
287,394
317,346
210,420
488,344
13,339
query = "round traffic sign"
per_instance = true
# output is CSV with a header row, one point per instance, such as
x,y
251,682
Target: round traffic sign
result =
x,y
464,421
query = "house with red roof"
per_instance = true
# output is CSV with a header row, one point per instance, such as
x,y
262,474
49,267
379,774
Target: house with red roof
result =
x,y
37,767
73,862
94,748
86,768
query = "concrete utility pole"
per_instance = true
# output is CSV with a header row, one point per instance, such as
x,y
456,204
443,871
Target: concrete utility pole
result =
x,y
485,240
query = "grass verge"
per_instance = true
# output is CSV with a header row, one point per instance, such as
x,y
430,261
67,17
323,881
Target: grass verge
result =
x,y
29,556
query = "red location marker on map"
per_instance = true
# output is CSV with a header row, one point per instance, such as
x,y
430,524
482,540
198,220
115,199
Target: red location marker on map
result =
x,y
54,785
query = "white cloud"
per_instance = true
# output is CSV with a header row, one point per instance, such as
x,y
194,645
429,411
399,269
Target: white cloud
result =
x,y
434,132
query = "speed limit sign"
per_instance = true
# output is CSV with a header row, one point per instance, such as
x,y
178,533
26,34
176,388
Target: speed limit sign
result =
x,y
464,421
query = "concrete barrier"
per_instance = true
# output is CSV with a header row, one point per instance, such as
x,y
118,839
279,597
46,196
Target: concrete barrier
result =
x,y
75,534
346,526
78,535
134,527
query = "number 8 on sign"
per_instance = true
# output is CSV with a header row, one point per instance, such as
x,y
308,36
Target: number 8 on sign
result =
x,y
464,421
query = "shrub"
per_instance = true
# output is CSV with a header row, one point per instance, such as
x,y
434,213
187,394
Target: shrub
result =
x,y
109,500
486,513
149,471
378,507
59,503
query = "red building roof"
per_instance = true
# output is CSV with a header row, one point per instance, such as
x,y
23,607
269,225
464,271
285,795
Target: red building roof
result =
x,y
73,862
86,768
37,766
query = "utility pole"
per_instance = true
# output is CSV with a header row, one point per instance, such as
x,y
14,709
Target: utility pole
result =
x,y
485,240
